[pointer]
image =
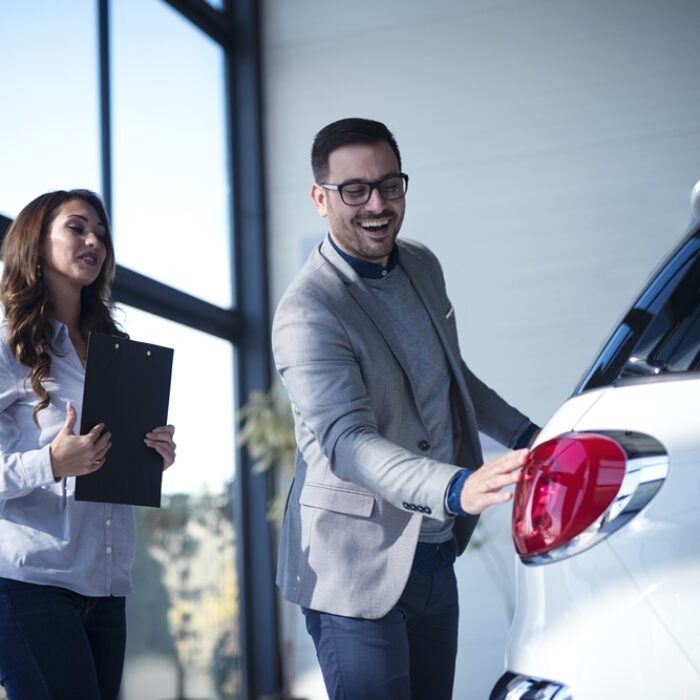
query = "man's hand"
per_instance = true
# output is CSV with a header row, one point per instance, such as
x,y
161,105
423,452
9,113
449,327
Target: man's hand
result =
x,y
75,455
483,488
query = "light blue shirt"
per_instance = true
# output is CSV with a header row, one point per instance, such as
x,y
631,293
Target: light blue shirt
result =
x,y
46,536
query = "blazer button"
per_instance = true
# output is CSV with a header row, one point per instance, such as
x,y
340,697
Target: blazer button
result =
x,y
423,445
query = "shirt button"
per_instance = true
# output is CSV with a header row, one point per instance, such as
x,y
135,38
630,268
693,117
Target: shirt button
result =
x,y
423,445
108,523
109,550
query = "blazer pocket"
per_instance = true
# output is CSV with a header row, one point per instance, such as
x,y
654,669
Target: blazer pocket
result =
x,y
337,500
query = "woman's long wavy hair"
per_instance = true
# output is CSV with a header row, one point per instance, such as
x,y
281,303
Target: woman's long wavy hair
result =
x,y
25,298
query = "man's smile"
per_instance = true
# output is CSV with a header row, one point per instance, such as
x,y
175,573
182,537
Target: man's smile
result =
x,y
375,225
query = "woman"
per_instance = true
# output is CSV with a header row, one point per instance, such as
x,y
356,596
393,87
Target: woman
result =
x,y
64,564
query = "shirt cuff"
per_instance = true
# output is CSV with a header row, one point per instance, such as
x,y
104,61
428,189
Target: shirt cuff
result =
x,y
453,502
36,467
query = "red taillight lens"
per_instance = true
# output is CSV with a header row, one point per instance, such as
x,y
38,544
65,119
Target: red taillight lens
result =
x,y
565,486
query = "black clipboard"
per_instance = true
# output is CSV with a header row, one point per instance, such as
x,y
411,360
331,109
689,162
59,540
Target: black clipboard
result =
x,y
127,387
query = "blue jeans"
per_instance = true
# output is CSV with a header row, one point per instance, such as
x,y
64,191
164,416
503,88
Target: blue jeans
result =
x,y
407,654
56,644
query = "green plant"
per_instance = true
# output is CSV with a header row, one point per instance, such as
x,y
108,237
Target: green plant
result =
x,y
267,431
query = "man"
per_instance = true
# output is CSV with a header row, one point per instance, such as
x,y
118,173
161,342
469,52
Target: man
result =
x,y
389,477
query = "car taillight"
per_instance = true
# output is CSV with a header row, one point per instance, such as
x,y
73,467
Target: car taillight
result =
x,y
566,485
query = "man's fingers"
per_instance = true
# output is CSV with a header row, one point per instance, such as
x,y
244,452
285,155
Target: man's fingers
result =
x,y
511,460
496,483
485,487
504,466
504,470
502,497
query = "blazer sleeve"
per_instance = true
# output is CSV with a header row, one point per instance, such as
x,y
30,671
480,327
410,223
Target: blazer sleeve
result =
x,y
495,416
325,381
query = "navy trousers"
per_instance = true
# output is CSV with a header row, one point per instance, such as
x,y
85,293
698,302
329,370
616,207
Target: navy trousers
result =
x,y
59,645
407,654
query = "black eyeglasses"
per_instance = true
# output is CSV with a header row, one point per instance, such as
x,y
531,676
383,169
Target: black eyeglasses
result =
x,y
356,193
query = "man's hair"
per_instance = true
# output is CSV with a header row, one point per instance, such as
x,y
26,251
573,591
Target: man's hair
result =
x,y
346,132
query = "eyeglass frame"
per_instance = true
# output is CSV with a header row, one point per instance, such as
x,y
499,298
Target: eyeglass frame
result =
x,y
373,185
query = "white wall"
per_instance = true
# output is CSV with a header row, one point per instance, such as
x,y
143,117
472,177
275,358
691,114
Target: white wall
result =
x,y
551,144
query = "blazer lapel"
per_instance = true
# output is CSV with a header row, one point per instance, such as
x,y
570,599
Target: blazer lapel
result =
x,y
364,298
416,270
414,267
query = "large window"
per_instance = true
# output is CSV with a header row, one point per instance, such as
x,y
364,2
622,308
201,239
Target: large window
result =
x,y
155,104
171,175
49,122
183,638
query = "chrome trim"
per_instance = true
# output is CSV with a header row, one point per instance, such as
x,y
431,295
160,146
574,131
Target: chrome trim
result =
x,y
695,200
529,688
646,470
640,367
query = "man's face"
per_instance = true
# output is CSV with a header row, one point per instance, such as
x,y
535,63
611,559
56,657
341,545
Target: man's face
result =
x,y
366,231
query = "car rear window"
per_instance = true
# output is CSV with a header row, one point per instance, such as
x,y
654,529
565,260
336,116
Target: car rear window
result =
x,y
660,336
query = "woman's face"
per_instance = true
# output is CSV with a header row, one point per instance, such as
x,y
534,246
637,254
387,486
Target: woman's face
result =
x,y
73,250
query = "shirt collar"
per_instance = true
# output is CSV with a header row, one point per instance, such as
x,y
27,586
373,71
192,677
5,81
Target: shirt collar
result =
x,y
58,329
366,269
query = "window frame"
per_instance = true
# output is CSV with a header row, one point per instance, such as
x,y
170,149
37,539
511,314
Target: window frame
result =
x,y
611,360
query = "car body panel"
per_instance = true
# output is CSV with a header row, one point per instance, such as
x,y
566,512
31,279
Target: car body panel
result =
x,y
661,547
593,629
569,414
638,591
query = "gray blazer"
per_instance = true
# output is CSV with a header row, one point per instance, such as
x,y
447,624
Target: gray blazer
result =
x,y
362,482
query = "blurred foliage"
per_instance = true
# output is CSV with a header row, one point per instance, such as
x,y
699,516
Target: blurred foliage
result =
x,y
189,546
267,431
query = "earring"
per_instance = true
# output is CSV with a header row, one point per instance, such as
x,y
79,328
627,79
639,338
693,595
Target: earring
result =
x,y
38,271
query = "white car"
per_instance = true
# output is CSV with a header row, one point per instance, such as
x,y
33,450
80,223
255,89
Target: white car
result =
x,y
606,515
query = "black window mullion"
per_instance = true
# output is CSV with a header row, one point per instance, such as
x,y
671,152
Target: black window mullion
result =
x,y
261,660
213,22
157,298
105,102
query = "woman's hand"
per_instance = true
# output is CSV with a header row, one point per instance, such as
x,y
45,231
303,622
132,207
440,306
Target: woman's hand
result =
x,y
161,440
75,455
483,488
